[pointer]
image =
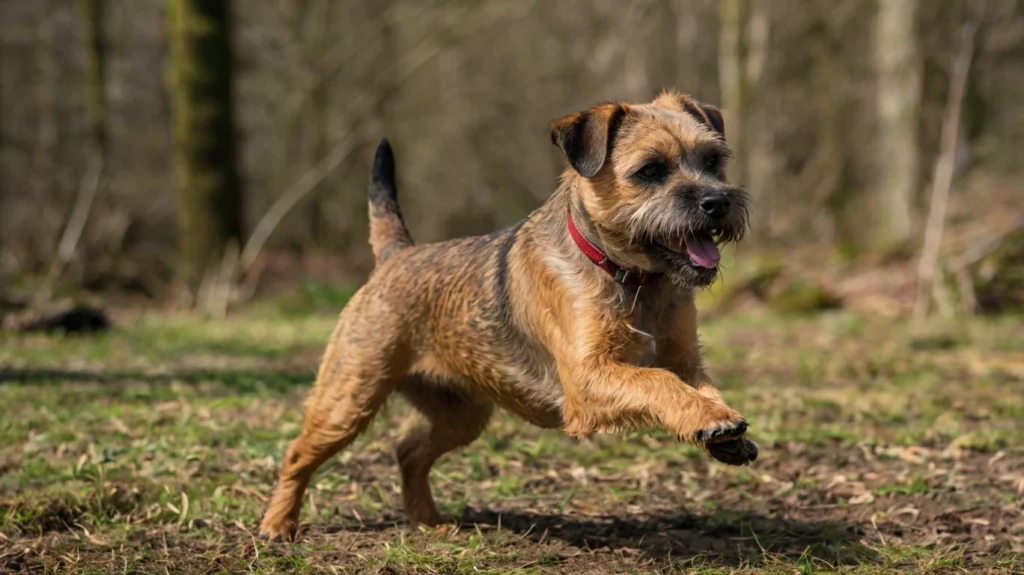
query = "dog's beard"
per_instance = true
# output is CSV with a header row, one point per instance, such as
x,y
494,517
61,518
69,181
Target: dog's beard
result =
x,y
681,241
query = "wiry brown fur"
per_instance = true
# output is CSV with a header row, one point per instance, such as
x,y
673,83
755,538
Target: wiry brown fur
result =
x,y
521,319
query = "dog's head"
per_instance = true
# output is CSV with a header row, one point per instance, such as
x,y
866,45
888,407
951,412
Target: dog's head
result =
x,y
652,184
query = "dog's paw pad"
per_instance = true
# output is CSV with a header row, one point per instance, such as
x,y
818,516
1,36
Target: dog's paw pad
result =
x,y
722,431
734,452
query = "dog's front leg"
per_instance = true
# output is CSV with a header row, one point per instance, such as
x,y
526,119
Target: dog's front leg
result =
x,y
606,395
611,396
678,348
603,391
679,351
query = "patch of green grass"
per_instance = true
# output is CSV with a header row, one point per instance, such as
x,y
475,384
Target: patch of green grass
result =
x,y
916,486
315,296
171,428
476,553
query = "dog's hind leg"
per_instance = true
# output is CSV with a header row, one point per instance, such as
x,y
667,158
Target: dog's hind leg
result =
x,y
445,417
356,376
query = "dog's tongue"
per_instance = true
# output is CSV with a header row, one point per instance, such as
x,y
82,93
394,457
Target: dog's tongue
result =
x,y
702,250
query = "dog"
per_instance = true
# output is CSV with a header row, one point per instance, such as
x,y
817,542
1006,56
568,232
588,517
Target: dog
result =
x,y
580,317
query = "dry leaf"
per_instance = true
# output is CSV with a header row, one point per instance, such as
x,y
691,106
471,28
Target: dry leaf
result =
x,y
862,499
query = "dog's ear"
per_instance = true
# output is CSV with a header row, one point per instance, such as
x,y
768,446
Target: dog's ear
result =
x,y
586,137
715,119
706,114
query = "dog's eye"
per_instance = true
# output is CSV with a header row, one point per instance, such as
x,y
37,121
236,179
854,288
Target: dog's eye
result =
x,y
653,172
712,163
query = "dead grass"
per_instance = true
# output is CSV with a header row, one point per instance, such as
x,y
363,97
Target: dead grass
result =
x,y
151,450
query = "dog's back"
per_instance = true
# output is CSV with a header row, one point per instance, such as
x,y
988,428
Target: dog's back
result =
x,y
453,298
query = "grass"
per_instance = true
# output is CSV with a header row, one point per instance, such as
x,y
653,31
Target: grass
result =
x,y
152,450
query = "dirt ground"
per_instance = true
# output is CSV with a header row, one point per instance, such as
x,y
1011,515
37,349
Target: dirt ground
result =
x,y
883,450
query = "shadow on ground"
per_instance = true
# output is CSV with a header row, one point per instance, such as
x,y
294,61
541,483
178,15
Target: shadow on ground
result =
x,y
247,380
742,538
739,537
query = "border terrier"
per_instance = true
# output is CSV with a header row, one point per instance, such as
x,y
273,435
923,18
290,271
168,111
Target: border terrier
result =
x,y
580,317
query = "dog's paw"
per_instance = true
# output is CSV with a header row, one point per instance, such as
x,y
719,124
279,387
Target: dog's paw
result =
x,y
444,523
727,430
440,520
432,519
284,531
740,451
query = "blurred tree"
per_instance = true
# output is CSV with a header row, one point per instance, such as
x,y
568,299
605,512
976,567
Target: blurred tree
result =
x,y
315,143
743,52
200,81
759,157
898,104
465,91
3,182
45,150
730,77
94,38
306,129
828,177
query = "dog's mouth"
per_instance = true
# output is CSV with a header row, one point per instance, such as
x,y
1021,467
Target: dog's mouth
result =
x,y
700,246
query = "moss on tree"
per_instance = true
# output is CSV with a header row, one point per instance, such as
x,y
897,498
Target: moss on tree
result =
x,y
200,81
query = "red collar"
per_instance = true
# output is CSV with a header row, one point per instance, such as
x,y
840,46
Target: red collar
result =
x,y
594,254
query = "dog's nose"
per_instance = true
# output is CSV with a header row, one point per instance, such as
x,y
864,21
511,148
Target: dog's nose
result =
x,y
715,205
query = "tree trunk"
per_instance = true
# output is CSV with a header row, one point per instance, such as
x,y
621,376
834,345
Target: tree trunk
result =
x,y
44,154
760,160
898,101
3,186
200,81
827,176
314,132
742,55
93,35
730,77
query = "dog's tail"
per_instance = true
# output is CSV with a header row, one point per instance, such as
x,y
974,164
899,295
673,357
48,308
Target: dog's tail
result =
x,y
388,233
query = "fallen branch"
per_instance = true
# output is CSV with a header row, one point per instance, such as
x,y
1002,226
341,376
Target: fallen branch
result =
x,y
298,190
963,267
982,249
